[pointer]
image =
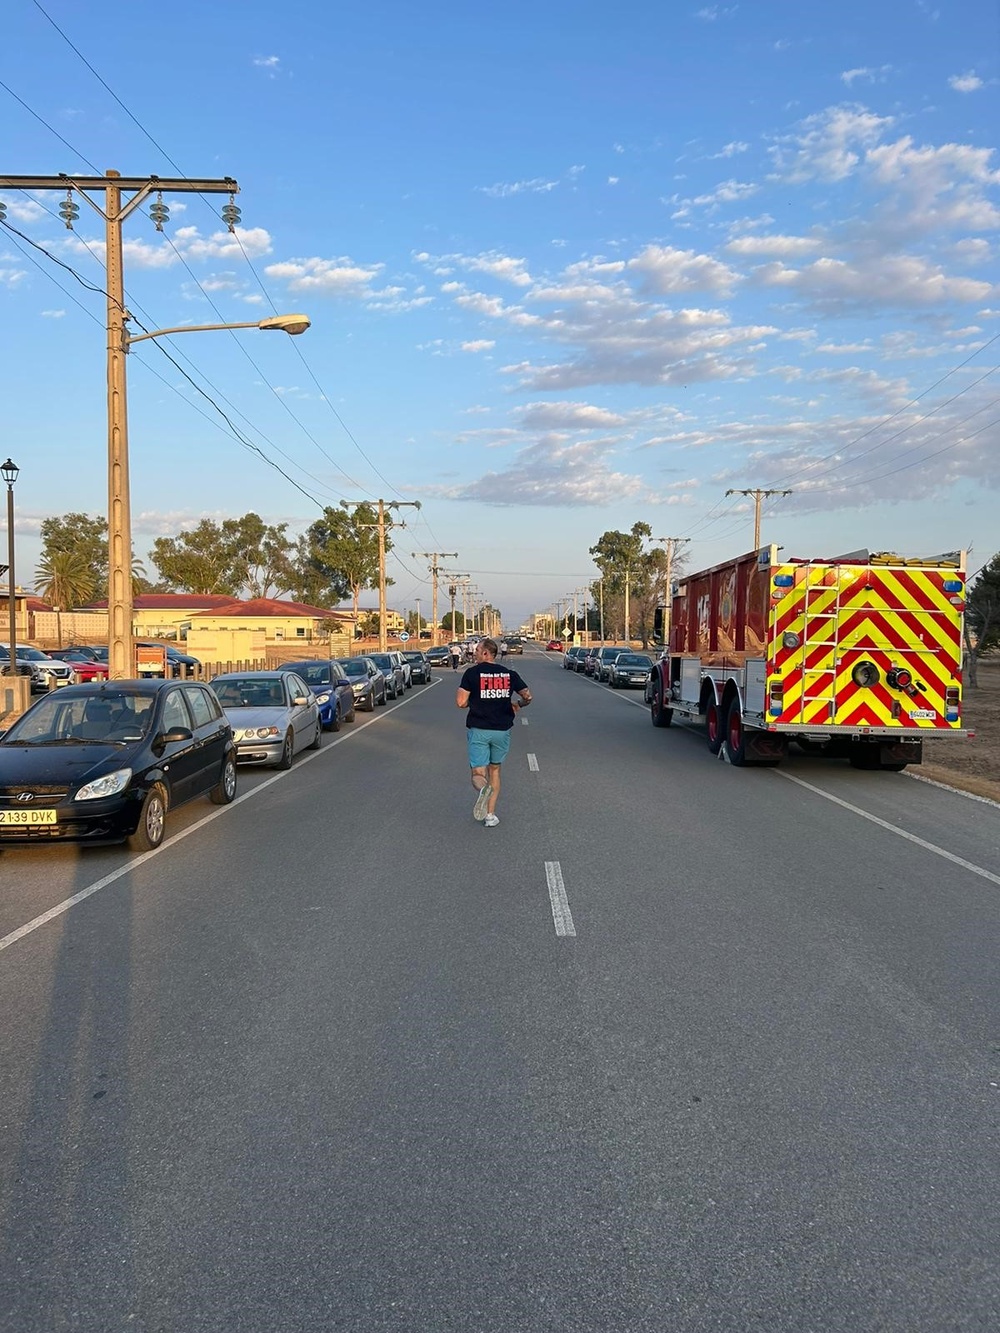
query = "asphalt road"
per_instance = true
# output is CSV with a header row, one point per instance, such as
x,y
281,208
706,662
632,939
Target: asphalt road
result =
x,y
675,1047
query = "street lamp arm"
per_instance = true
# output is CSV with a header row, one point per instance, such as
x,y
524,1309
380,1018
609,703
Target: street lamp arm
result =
x,y
290,324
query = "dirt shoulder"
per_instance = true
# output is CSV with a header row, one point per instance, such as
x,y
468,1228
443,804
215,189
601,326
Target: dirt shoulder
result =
x,y
973,765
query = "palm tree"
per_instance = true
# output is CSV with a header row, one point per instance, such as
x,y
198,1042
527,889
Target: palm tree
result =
x,y
64,579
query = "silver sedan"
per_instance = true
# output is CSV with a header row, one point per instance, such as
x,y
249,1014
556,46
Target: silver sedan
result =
x,y
273,715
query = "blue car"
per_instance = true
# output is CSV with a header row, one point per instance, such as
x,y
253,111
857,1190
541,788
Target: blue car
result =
x,y
333,690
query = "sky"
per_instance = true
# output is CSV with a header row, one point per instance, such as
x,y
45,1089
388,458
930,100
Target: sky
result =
x,y
568,267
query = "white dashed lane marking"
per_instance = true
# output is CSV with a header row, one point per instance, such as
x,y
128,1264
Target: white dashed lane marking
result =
x,y
533,763
561,915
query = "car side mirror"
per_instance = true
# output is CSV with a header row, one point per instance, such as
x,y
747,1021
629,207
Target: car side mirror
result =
x,y
175,734
300,700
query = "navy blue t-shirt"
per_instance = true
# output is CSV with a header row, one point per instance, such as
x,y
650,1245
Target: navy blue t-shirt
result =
x,y
490,686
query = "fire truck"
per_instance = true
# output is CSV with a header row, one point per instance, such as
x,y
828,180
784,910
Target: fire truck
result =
x,y
859,656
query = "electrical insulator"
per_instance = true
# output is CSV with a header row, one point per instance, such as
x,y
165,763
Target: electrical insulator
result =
x,y
231,214
159,212
69,211
3,211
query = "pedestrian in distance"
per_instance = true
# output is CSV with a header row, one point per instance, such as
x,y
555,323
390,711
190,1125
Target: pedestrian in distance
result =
x,y
503,649
455,651
487,690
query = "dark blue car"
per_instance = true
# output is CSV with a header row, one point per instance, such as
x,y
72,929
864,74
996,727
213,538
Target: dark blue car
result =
x,y
334,692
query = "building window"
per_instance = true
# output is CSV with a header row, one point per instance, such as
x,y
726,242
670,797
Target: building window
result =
x,y
300,631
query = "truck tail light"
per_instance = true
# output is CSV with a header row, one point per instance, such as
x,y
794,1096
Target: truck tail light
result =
x,y
951,703
775,698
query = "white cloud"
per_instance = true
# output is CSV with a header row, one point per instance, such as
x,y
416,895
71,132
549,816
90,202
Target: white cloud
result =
x,y
53,314
712,13
782,247
568,416
250,241
503,189
613,180
829,145
866,74
479,345
554,472
886,282
666,270
10,277
333,277
965,83
730,150
271,65
21,209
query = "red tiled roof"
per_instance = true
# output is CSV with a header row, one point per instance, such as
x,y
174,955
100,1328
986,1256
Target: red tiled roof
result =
x,y
36,604
170,601
270,606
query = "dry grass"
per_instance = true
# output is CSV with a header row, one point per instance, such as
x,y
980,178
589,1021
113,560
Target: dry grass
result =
x,y
972,766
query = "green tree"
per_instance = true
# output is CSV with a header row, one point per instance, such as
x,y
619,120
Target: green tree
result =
x,y
453,624
338,555
623,564
86,537
65,578
237,556
982,618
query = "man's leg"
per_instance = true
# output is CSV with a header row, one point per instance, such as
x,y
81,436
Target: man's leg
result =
x,y
493,772
479,758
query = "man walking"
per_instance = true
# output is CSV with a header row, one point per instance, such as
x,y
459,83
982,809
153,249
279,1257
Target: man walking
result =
x,y
487,691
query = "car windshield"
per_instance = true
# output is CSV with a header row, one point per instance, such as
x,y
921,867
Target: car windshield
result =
x,y
382,660
633,660
30,654
313,673
111,716
355,666
413,657
250,692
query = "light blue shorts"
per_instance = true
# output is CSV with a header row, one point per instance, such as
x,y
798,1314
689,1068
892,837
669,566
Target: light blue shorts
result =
x,y
486,747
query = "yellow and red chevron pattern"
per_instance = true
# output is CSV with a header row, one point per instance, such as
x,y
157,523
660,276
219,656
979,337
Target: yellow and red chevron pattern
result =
x,y
859,645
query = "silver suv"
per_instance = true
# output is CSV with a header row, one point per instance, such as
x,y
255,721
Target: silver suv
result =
x,y
46,672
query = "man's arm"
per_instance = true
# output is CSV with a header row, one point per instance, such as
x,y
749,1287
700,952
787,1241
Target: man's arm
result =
x,y
523,699
462,698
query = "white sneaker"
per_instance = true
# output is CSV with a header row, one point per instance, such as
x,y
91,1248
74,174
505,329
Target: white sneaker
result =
x,y
491,821
482,800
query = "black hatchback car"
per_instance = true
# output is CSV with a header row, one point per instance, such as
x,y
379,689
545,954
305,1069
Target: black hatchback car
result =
x,y
105,762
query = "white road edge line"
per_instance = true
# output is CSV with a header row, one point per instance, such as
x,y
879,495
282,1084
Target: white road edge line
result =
x,y
532,763
561,915
893,828
7,940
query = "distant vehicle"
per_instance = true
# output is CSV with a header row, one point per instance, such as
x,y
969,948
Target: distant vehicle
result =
x,y
630,671
332,688
45,671
554,646
84,666
420,668
605,656
402,662
571,657
105,763
395,678
367,682
438,656
515,644
273,715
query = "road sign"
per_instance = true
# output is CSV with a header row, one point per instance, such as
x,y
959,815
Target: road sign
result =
x,y
403,636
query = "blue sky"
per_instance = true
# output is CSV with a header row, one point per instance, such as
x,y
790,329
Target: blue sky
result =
x,y
568,266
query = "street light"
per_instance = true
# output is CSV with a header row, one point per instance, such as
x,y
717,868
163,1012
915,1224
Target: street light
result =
x,y
9,473
121,654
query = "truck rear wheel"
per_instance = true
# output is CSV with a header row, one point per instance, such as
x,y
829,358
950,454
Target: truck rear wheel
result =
x,y
713,726
661,717
736,747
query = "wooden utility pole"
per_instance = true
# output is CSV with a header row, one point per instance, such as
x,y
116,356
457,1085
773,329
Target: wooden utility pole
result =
x,y
114,212
758,496
671,547
380,526
435,557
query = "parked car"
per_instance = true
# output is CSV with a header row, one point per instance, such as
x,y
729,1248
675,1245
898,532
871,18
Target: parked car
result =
x,y
439,657
630,671
45,671
400,660
274,715
105,763
420,668
571,657
84,666
395,680
333,690
605,656
554,646
590,661
367,682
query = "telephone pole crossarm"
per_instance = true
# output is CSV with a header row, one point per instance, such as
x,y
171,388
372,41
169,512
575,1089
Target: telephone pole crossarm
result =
x,y
757,496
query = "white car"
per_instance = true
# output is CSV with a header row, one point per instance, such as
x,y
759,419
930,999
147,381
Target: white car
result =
x,y
46,672
273,715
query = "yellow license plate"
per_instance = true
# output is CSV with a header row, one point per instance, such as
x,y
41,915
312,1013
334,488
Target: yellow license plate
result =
x,y
27,816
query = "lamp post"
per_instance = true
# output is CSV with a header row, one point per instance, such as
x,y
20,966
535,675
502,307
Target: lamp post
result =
x,y
121,654
9,473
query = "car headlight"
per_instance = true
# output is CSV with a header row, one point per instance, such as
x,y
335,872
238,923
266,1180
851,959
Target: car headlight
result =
x,y
359,686
110,785
323,698
261,733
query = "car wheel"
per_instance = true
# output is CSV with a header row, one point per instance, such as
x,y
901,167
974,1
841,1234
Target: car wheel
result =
x,y
349,717
317,740
334,723
152,821
368,704
287,751
225,790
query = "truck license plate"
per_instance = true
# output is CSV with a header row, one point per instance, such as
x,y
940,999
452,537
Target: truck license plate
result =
x,y
923,714
27,816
